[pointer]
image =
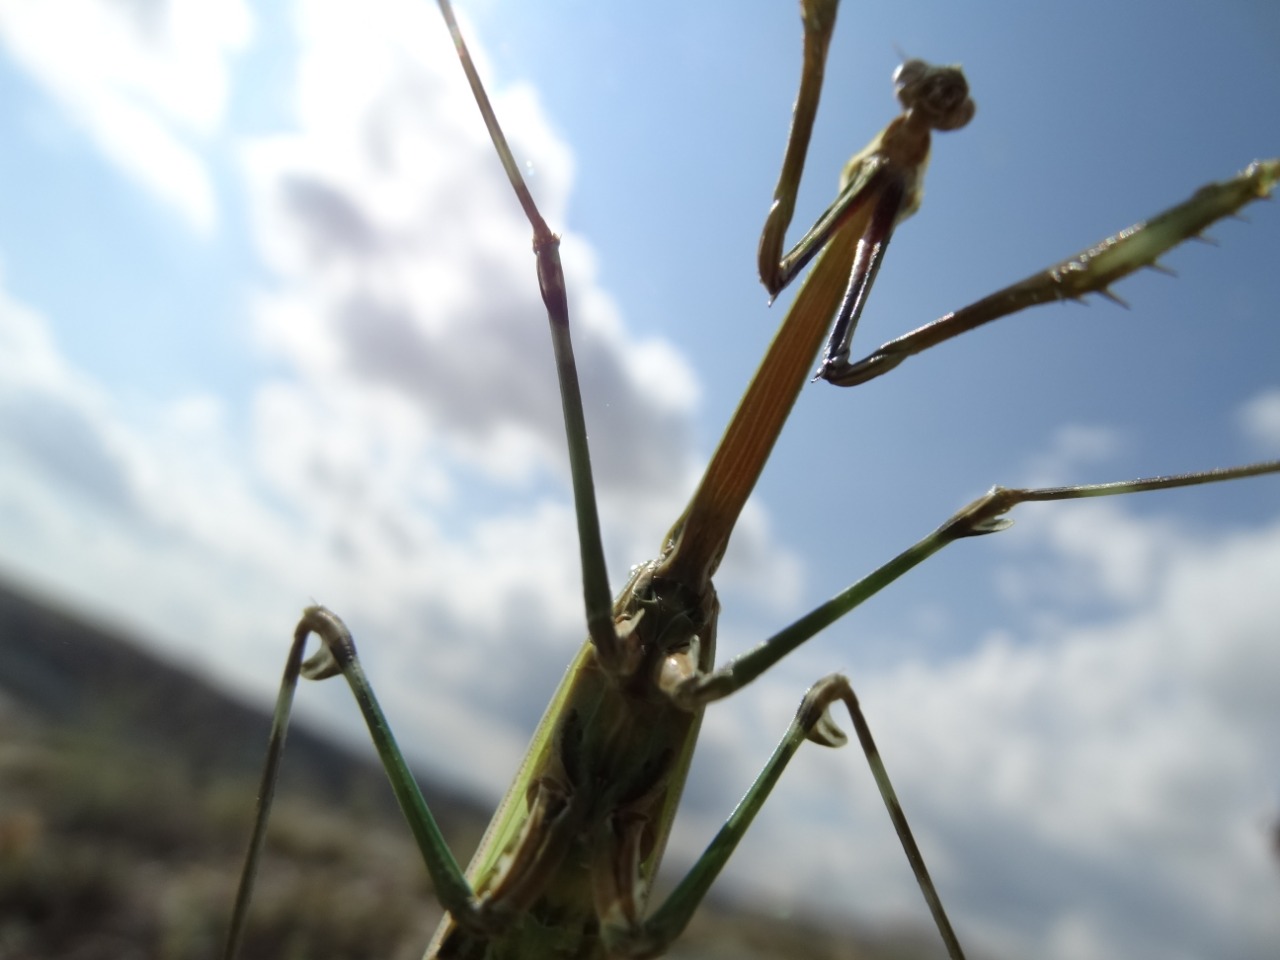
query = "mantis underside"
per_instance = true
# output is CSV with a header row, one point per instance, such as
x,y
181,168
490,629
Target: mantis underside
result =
x,y
566,867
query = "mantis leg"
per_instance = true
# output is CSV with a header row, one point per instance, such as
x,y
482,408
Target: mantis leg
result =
x,y
337,655
625,934
819,20
1089,271
597,597
983,516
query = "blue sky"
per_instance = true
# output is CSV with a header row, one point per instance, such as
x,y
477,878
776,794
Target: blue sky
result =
x,y
269,333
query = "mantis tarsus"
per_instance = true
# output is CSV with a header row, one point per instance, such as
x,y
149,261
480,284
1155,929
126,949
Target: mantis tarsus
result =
x,y
622,835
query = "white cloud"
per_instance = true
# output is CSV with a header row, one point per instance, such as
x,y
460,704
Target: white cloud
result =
x,y
52,422
1073,446
144,78
405,275
1073,787
404,460
97,504
1101,552
1259,419
420,425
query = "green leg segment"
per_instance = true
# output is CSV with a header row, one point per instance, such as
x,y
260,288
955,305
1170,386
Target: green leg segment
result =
x,y
338,655
650,937
982,516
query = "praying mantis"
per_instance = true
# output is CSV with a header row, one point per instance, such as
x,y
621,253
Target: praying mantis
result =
x,y
621,834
